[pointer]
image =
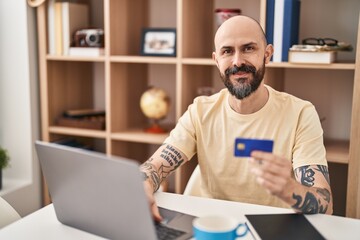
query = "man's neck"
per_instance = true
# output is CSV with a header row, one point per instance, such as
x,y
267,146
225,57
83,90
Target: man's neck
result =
x,y
252,103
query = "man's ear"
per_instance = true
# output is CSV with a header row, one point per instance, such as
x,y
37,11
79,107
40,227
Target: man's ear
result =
x,y
215,59
269,51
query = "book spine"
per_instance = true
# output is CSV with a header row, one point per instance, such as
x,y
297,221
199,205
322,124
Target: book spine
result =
x,y
278,29
65,28
51,26
269,26
58,28
290,27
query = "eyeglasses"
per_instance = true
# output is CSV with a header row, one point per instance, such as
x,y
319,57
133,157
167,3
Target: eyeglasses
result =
x,y
320,41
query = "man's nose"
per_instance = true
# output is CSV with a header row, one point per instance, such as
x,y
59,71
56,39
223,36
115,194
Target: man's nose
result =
x,y
238,59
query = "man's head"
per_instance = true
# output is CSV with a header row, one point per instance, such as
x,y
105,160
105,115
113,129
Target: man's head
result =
x,y
241,52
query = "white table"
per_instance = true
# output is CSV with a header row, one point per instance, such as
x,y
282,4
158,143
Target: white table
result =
x,y
43,223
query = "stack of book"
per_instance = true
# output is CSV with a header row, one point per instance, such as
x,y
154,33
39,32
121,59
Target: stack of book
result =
x,y
83,118
64,19
282,26
311,54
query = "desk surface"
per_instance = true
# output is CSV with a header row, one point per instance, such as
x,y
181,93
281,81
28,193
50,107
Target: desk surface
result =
x,y
43,223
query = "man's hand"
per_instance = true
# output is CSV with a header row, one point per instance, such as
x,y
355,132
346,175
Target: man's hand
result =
x,y
272,172
152,204
309,192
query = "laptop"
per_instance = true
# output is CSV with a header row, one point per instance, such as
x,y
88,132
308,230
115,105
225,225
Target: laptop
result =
x,y
103,195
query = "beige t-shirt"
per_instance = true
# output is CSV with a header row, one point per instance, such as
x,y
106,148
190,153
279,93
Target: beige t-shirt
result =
x,y
209,128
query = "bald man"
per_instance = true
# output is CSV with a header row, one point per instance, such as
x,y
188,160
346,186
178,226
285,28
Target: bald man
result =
x,y
294,176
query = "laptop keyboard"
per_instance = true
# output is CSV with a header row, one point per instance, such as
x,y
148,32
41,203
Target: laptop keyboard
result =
x,y
167,233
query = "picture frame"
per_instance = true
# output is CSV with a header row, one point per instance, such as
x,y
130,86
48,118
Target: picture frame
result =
x,y
158,42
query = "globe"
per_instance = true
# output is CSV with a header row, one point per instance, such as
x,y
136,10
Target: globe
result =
x,y
155,105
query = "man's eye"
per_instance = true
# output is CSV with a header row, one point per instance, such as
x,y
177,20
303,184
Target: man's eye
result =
x,y
227,51
249,49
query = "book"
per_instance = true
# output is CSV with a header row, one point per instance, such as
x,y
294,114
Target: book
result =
x,y
75,16
278,29
269,25
86,51
51,27
282,226
324,57
79,113
290,26
282,26
58,27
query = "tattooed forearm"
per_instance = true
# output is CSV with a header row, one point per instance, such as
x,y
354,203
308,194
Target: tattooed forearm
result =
x,y
311,204
325,194
151,173
308,205
172,156
315,196
324,170
307,176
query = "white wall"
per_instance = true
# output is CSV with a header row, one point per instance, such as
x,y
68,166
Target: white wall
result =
x,y
19,122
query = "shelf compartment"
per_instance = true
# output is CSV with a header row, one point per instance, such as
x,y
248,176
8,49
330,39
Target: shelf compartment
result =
x,y
140,136
199,25
71,86
337,151
85,142
194,77
128,82
130,17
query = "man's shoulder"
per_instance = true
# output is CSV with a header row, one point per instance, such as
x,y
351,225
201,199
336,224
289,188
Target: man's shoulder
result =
x,y
284,97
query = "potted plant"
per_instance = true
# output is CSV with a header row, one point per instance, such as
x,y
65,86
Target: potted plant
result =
x,y
4,162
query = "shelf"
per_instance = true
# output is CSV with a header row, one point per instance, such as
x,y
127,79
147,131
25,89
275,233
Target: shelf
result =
x,y
198,61
78,132
335,66
140,59
117,80
337,151
138,135
75,58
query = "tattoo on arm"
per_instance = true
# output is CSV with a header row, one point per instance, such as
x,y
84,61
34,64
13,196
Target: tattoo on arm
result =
x,y
325,172
150,172
312,202
307,176
173,159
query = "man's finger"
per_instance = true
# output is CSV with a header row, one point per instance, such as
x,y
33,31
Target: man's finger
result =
x,y
155,212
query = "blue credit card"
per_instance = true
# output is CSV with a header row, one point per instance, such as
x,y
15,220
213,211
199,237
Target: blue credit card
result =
x,y
244,146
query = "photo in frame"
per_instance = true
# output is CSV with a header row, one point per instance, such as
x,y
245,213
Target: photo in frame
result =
x,y
158,42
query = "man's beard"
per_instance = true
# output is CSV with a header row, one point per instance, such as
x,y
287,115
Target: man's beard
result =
x,y
242,89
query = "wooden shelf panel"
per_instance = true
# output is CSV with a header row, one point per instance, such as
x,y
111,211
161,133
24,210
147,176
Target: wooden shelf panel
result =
x,y
75,58
337,151
198,61
141,59
335,66
77,132
138,135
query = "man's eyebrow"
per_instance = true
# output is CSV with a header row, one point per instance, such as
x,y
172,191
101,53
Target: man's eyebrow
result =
x,y
250,44
226,47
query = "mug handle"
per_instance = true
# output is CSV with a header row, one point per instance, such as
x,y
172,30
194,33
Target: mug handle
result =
x,y
241,230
